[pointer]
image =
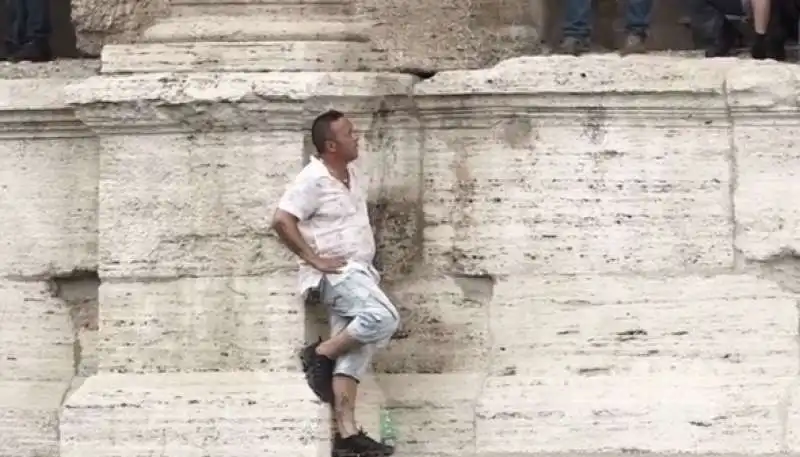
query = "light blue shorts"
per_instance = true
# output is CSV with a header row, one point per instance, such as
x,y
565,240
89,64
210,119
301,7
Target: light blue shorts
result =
x,y
357,304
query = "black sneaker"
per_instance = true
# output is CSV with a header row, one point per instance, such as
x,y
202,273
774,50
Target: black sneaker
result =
x,y
724,43
319,372
759,48
359,445
33,52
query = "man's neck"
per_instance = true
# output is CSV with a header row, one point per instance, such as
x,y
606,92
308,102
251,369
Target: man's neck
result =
x,y
338,168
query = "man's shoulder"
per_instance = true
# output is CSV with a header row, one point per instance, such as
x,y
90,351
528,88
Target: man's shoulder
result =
x,y
311,172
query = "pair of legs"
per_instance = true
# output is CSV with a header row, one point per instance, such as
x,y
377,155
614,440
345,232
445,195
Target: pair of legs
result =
x,y
29,29
362,319
773,22
577,25
714,25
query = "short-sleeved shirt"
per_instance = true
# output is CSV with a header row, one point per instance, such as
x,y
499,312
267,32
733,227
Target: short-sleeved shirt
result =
x,y
333,220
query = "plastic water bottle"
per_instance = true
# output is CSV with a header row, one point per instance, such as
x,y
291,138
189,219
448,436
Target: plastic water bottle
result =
x,y
388,431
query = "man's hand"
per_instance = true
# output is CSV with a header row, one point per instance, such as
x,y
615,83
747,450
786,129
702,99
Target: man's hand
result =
x,y
330,265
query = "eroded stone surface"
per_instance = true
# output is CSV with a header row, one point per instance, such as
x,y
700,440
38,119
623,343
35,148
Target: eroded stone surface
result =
x,y
444,326
194,205
113,21
50,186
432,413
767,161
201,324
455,33
29,417
221,414
659,365
37,333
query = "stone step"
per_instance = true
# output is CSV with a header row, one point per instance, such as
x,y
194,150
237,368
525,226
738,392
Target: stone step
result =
x,y
29,418
455,414
193,415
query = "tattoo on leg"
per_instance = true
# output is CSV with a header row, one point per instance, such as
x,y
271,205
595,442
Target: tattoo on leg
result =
x,y
343,403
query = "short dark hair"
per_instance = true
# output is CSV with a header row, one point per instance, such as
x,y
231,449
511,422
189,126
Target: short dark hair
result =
x,y
321,128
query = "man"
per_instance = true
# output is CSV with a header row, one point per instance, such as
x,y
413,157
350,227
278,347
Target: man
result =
x,y
577,28
28,30
714,23
323,219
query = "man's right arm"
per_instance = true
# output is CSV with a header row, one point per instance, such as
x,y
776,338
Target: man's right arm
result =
x,y
285,224
300,202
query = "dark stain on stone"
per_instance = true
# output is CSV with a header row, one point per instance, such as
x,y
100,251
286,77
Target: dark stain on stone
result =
x,y
398,236
701,423
593,371
517,133
629,335
595,125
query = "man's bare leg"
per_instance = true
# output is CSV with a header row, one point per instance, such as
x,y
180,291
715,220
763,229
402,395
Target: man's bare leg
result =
x,y
761,17
761,12
345,392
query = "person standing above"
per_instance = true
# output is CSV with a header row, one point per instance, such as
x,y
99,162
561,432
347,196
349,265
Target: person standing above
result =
x,y
29,30
577,26
773,23
323,219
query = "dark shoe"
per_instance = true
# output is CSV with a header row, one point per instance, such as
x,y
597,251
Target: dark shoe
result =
x,y
573,46
725,42
777,51
634,44
359,445
759,48
33,52
319,372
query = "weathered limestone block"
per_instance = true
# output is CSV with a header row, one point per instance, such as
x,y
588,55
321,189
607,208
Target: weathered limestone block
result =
x,y
201,324
197,199
444,326
98,23
454,34
566,165
194,415
390,156
37,336
29,417
283,35
48,179
766,135
683,364
194,204
433,414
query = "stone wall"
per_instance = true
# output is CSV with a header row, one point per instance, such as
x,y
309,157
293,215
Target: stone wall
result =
x,y
49,165
416,36
590,255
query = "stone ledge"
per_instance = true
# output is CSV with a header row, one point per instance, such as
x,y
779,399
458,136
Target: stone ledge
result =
x,y
254,56
236,29
63,68
200,102
32,101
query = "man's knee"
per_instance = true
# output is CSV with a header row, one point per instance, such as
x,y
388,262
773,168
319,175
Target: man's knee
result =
x,y
374,323
383,320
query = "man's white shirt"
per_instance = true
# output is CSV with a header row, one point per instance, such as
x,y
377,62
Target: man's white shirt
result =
x,y
333,220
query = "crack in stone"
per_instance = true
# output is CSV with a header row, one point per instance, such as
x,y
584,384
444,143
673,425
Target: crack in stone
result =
x,y
480,288
783,268
79,291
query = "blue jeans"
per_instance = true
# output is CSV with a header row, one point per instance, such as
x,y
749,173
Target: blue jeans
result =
x,y
28,21
577,18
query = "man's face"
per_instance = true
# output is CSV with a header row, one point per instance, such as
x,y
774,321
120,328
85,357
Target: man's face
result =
x,y
344,139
